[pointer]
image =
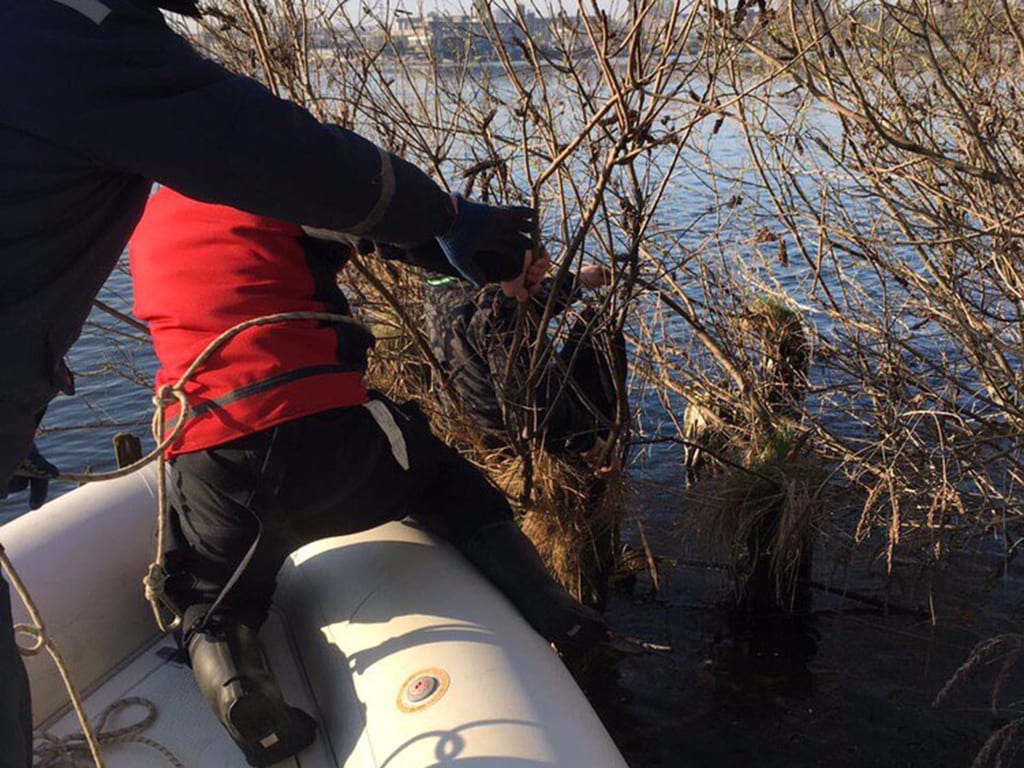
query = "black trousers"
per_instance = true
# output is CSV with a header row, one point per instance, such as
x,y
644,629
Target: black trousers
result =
x,y
18,421
15,704
328,474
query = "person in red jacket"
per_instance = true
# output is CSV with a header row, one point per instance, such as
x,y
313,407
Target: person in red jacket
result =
x,y
286,445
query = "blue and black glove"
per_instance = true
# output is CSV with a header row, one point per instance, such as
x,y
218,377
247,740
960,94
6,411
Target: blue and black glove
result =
x,y
488,243
34,474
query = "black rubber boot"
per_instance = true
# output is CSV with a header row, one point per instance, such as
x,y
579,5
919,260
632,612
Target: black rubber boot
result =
x,y
236,681
507,557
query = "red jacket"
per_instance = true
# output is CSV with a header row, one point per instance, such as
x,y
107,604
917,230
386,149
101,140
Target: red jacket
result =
x,y
199,269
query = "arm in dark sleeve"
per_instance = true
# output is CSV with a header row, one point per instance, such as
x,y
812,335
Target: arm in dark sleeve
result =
x,y
129,95
550,407
428,256
563,293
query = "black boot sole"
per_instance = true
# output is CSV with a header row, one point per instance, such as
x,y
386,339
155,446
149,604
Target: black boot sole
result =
x,y
265,739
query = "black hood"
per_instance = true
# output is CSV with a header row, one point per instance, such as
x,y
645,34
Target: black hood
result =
x,y
183,7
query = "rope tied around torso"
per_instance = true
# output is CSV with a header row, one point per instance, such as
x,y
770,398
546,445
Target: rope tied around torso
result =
x,y
156,575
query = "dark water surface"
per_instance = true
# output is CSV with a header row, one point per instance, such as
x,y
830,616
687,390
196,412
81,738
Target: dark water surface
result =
x,y
850,683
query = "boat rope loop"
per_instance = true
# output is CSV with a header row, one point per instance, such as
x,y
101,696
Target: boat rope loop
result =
x,y
73,751
156,574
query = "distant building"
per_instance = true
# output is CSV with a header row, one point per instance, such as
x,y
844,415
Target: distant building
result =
x,y
456,36
412,33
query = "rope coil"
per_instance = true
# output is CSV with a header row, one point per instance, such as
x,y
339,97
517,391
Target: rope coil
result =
x,y
72,751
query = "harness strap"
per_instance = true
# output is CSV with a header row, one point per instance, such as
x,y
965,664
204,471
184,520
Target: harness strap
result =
x,y
244,563
386,421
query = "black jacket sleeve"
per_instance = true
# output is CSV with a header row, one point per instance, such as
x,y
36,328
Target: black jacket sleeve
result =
x,y
563,293
117,86
427,256
491,332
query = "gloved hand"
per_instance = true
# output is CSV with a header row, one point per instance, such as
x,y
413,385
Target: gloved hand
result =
x,y
488,243
34,474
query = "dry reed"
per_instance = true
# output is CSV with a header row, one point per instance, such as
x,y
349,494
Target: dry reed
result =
x,y
761,517
572,517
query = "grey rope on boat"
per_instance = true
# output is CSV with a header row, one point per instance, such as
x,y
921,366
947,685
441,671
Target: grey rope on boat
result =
x,y
72,750
42,641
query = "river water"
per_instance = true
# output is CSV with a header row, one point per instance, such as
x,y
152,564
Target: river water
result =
x,y
848,685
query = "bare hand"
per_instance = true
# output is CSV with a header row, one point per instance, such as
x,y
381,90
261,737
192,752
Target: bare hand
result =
x,y
536,271
529,282
602,461
516,288
594,276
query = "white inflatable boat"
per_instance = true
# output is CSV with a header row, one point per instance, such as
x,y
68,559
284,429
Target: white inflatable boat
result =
x,y
407,657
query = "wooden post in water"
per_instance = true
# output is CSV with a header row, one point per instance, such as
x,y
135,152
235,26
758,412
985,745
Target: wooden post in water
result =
x,y
127,448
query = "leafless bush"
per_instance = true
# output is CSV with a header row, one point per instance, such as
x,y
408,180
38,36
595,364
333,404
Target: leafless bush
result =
x,y
857,163
886,155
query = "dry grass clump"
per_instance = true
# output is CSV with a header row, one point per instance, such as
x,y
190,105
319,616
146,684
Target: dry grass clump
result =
x,y
720,417
710,433
784,352
761,518
760,508
572,517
